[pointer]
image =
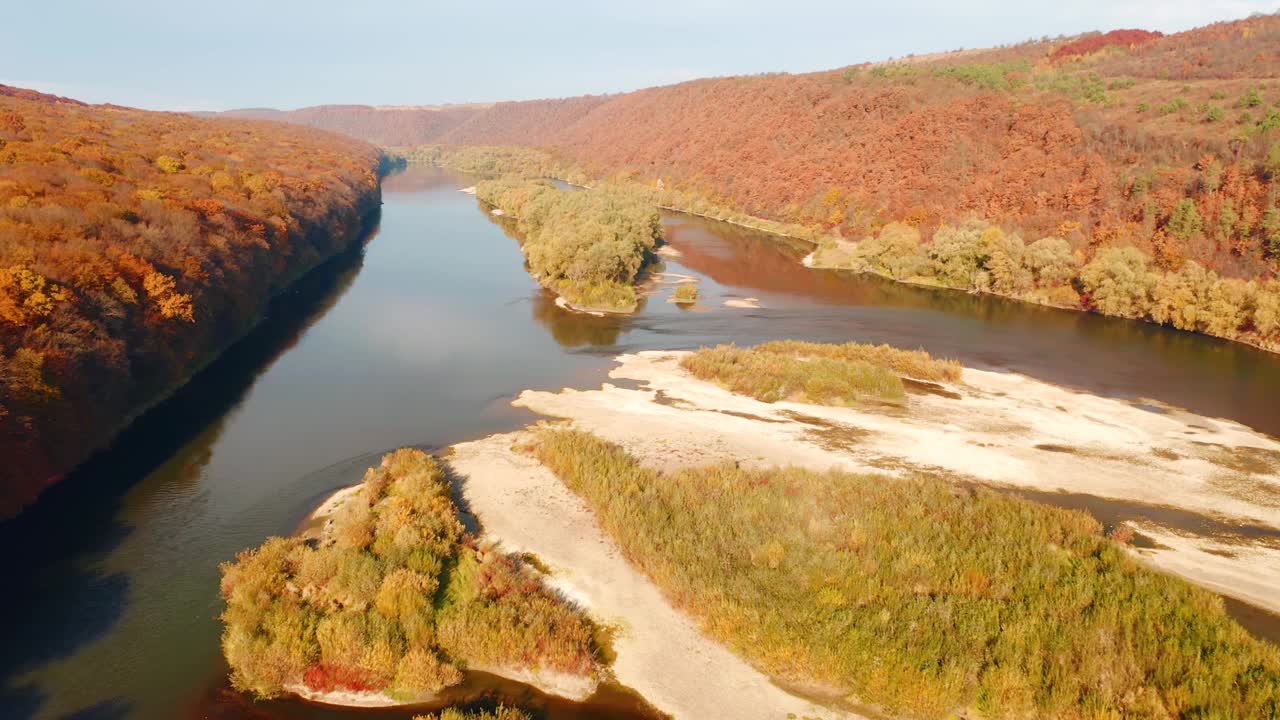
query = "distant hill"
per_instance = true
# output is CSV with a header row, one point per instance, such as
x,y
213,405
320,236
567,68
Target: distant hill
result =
x,y
1099,138
386,126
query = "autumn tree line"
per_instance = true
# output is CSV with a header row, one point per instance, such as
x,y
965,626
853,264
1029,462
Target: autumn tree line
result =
x,y
134,246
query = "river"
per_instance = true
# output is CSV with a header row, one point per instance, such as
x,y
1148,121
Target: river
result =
x,y
421,337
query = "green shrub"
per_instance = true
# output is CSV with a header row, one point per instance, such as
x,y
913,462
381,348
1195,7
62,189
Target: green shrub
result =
x,y
771,377
1118,281
687,293
1251,98
1051,262
818,373
895,251
1185,221
363,608
1173,106
916,364
588,246
913,596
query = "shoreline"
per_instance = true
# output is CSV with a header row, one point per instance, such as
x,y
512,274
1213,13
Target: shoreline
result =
x,y
549,682
1009,427
814,241
998,429
162,395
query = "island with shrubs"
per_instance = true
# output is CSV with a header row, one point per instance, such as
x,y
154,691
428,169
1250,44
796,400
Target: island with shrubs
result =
x,y
392,600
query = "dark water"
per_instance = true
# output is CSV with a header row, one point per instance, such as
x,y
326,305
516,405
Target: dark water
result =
x,y
421,338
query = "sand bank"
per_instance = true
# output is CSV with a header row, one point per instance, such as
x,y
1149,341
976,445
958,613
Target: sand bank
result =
x,y
1001,429
661,653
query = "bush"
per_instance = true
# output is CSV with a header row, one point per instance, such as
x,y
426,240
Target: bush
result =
x,y
1185,221
957,253
921,600
1051,262
587,245
1118,281
895,252
771,377
818,373
687,293
363,608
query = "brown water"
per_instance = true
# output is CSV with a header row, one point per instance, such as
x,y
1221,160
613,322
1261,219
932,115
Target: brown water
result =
x,y
422,337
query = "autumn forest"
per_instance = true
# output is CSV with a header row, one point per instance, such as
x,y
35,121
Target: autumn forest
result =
x,y
133,245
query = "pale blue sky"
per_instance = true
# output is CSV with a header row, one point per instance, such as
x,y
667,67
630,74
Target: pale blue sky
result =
x,y
178,54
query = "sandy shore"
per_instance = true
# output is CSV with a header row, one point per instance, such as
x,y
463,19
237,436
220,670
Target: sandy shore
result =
x,y
661,653
997,428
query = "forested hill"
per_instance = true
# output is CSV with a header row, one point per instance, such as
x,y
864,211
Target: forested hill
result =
x,y
134,247
1168,143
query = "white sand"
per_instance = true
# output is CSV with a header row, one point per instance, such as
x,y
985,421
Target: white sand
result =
x,y
990,433
743,303
660,652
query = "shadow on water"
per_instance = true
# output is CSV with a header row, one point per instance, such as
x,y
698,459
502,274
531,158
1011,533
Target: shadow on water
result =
x,y
67,603
479,691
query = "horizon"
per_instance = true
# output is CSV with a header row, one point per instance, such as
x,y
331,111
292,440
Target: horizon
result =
x,y
241,59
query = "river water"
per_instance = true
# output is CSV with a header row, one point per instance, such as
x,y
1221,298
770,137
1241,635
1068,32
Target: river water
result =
x,y
422,337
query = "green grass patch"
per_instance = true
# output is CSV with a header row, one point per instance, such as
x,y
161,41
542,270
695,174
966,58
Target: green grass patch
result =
x,y
771,377
394,597
818,373
920,598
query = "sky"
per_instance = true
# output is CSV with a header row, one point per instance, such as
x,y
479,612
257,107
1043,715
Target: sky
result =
x,y
183,55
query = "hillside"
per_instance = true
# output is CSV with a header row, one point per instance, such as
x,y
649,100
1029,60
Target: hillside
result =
x,y
388,126
1099,139
134,246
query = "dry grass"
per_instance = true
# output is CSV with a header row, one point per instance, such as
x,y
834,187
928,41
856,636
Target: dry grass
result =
x,y
501,713
394,597
916,364
818,373
921,599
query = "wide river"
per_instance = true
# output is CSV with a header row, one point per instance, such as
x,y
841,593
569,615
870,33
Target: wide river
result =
x,y
422,337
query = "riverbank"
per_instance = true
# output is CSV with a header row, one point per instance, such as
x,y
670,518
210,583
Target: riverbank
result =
x,y
998,429
1127,283
660,652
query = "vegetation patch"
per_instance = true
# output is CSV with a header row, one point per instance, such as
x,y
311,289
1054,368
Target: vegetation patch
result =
x,y
686,294
589,246
918,599
501,713
395,597
771,377
818,373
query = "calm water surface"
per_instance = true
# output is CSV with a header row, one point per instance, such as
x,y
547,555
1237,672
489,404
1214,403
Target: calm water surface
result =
x,y
422,337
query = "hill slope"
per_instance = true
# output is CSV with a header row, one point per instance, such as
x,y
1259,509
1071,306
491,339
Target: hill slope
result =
x,y
135,246
1099,139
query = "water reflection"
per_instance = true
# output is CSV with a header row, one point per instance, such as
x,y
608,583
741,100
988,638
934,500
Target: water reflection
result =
x,y
573,330
77,590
